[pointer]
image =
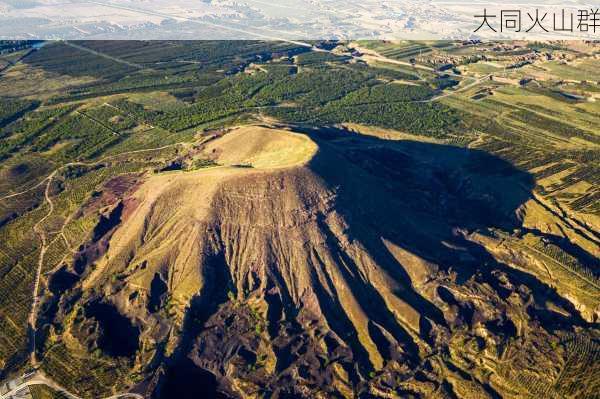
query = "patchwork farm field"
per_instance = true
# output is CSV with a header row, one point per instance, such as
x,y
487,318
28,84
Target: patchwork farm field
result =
x,y
328,219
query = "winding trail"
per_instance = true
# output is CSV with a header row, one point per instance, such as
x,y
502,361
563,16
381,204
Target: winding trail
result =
x,y
25,191
32,320
40,231
40,379
108,158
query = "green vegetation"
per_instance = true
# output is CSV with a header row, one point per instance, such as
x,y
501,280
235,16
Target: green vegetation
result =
x,y
62,59
110,117
150,66
24,132
43,392
11,110
85,138
61,364
402,50
203,163
142,108
553,126
318,58
390,106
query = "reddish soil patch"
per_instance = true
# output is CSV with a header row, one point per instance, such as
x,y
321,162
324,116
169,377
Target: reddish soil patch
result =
x,y
113,191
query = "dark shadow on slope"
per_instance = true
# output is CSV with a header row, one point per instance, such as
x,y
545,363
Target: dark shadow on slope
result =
x,y
337,317
183,378
119,337
425,197
540,292
368,296
157,294
108,222
62,281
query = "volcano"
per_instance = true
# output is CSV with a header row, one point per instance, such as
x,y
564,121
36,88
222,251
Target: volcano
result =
x,y
323,263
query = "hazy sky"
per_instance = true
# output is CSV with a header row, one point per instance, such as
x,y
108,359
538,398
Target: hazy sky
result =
x,y
286,19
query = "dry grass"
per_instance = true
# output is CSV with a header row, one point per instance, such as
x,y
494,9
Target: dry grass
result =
x,y
262,148
29,82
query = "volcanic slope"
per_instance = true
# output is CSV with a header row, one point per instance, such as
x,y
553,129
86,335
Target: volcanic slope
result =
x,y
329,264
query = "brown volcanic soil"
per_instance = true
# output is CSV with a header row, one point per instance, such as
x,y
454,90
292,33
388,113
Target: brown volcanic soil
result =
x,y
335,266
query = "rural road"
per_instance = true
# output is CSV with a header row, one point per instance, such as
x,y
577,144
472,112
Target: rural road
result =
x,y
32,320
380,58
51,175
103,55
40,379
48,180
451,93
263,36
36,287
